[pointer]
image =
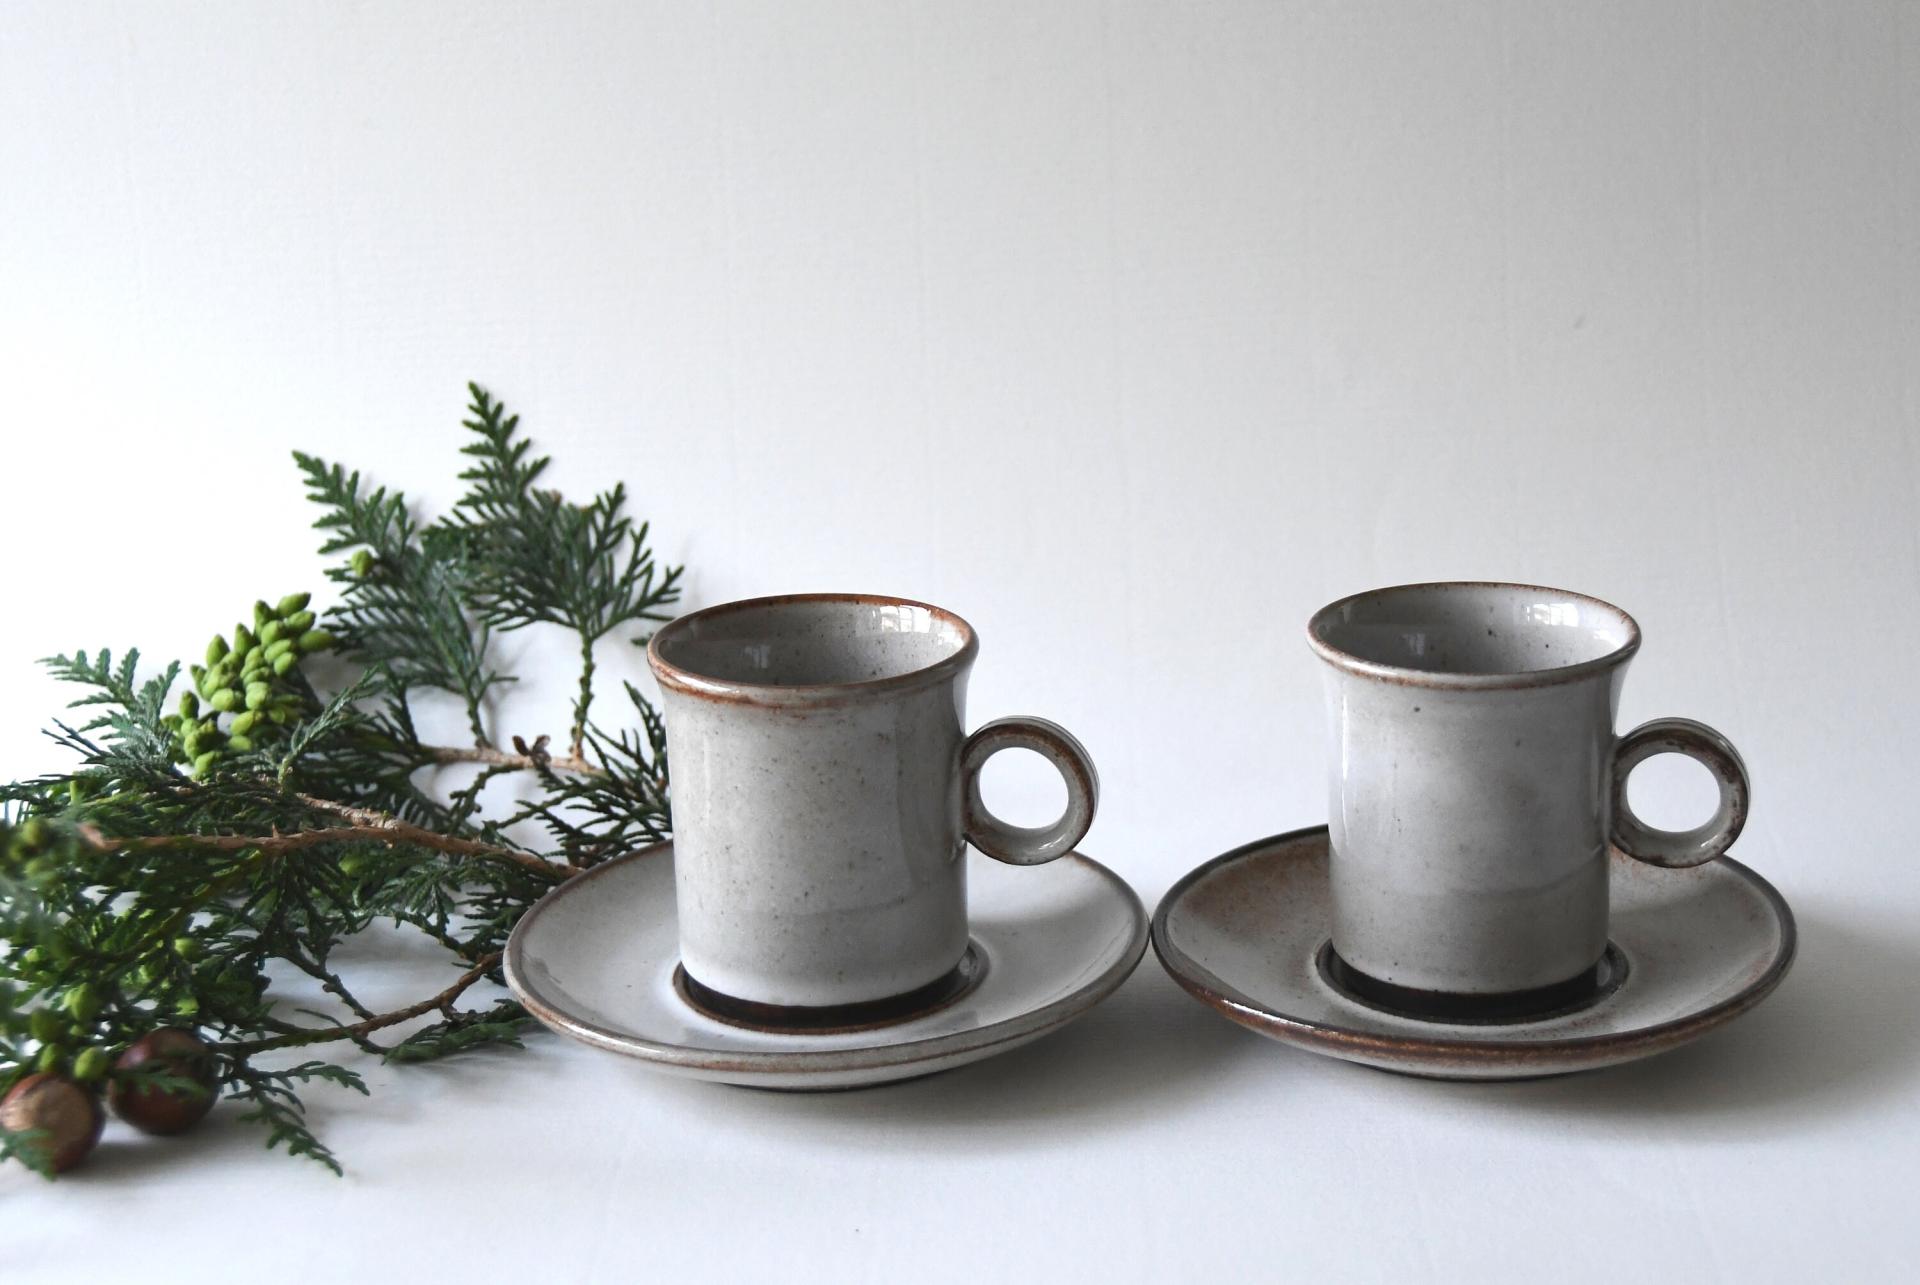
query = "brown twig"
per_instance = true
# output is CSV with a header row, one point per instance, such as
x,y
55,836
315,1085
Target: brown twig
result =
x,y
535,756
364,824
360,1030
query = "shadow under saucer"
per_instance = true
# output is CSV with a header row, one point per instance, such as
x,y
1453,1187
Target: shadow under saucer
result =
x,y
1140,1054
1842,1034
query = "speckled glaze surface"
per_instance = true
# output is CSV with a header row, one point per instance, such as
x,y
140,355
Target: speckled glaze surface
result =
x,y
595,960
824,792
1700,946
1477,784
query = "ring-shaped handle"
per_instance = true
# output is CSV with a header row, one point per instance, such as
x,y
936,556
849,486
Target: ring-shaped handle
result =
x,y
1022,845
1677,849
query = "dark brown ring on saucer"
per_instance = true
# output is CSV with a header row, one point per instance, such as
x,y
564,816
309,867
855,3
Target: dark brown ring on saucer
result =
x,y
833,1019
1459,1009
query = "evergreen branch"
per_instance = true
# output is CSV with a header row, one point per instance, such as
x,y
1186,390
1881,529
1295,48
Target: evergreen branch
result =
x,y
194,847
539,559
329,980
115,684
621,806
278,1107
405,603
339,714
501,1024
133,713
367,1026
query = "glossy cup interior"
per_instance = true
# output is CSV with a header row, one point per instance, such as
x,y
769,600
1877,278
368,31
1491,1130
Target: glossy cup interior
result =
x,y
811,641
1472,630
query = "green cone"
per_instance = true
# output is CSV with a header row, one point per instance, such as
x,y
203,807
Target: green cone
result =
x,y
83,1001
91,1065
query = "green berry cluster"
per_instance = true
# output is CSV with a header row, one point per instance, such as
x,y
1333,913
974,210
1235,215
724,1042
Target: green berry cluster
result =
x,y
66,1021
28,852
252,678
64,1029
91,1004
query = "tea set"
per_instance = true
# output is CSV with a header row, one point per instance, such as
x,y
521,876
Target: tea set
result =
x,y
840,908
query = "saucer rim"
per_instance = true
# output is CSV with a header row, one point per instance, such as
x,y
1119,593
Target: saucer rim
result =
x,y
1502,1044
1020,1027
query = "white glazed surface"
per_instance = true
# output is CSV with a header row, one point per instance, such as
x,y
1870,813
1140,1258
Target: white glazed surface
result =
x,y
1470,752
1470,831
1702,945
595,961
821,858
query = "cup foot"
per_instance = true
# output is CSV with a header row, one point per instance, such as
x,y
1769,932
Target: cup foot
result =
x,y
1461,1009
833,1019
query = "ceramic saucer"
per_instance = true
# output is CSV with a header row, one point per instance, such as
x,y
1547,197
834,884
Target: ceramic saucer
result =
x,y
596,960
1244,933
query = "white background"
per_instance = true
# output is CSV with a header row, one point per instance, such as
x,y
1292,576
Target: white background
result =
x,y
1133,332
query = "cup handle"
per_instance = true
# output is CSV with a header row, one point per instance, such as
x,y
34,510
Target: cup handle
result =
x,y
1677,849
1022,845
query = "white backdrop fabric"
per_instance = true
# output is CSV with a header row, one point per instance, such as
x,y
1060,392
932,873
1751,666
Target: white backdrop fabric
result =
x,y
1133,332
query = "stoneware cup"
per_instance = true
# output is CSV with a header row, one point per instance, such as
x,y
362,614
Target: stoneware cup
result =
x,y
824,792
1476,786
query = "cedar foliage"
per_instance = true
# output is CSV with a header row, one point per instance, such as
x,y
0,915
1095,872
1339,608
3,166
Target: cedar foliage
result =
x,y
203,842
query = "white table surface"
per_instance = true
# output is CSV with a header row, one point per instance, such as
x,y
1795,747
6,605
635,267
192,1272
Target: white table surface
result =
x,y
1134,332
1150,1141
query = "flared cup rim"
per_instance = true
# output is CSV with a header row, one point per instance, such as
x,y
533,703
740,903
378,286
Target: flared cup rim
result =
x,y
1406,675
677,677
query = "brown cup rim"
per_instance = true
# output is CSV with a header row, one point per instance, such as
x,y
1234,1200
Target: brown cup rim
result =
x,y
1407,676
681,679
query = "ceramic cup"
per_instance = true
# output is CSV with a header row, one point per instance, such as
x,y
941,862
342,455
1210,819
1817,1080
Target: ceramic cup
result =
x,y
1476,786
824,792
